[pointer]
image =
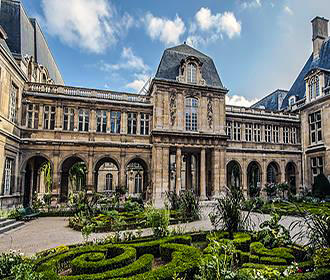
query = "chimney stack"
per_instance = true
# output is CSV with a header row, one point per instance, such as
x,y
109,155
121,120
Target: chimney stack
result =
x,y
320,33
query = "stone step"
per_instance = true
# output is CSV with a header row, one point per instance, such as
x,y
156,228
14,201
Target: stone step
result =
x,y
6,222
10,225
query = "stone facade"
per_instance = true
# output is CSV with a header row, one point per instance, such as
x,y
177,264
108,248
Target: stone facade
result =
x,y
180,135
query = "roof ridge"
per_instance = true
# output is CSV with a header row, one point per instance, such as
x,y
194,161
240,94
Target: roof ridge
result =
x,y
175,49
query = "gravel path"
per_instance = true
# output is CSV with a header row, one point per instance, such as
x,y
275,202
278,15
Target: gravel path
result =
x,y
45,233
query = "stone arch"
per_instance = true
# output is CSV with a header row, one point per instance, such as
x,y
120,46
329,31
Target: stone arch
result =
x,y
291,173
108,165
273,172
134,166
34,178
234,174
65,167
254,178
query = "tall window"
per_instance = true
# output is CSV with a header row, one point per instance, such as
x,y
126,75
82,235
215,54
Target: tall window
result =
x,y
276,134
83,119
317,166
144,124
286,132
101,121
108,182
138,183
32,116
191,115
192,73
229,129
49,117
315,127
314,87
268,133
9,165
257,132
13,102
131,123
115,122
237,131
68,119
248,132
293,135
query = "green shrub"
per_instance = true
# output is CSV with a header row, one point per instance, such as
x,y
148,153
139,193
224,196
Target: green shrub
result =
x,y
321,187
158,220
272,260
8,261
322,257
257,248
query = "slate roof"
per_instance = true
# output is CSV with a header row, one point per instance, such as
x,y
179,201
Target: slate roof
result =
x,y
298,88
168,68
273,101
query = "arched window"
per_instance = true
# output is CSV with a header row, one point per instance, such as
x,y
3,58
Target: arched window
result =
x,y
138,183
191,115
314,87
192,73
272,173
108,182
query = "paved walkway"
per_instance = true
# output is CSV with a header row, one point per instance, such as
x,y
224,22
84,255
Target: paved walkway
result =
x,y
45,233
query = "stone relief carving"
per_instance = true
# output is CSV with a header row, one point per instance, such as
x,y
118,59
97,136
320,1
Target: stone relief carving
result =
x,y
210,112
173,107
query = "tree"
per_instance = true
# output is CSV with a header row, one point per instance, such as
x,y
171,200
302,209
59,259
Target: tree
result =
x,y
321,187
77,176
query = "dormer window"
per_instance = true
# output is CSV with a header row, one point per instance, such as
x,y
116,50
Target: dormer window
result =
x,y
190,71
192,74
292,100
314,87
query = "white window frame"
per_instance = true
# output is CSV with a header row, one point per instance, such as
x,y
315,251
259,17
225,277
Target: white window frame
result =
x,y
144,123
317,166
115,117
292,100
276,134
286,135
229,129
249,132
191,114
131,123
101,121
32,116
237,131
191,73
108,182
314,87
8,173
293,135
315,127
83,120
49,117
14,90
268,133
68,118
257,132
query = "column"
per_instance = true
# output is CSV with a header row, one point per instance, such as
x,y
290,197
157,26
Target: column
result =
x,y
178,170
165,169
166,110
244,178
108,122
40,117
92,121
222,170
58,117
282,170
90,185
203,176
123,123
158,178
76,120
138,123
122,170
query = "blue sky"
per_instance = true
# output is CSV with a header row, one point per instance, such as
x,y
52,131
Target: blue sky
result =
x,y
257,45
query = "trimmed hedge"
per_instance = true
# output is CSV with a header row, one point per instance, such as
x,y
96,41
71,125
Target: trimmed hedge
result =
x,y
118,261
257,248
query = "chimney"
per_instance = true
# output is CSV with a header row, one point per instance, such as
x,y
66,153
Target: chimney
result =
x,y
320,33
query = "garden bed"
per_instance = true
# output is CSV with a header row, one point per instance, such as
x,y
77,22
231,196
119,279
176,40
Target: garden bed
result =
x,y
182,256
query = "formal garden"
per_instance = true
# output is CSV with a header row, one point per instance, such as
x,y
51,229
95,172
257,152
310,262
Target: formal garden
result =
x,y
232,250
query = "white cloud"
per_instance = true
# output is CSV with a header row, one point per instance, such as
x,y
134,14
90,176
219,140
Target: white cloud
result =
x,y
166,30
139,82
251,4
215,25
288,10
128,61
238,100
93,25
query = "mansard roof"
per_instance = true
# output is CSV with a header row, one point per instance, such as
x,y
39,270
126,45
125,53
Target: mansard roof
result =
x,y
169,66
298,88
272,101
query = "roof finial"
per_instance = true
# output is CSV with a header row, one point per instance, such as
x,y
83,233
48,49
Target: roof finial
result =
x,y
184,42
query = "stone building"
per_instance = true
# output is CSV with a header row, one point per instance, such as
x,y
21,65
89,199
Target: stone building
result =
x,y
179,135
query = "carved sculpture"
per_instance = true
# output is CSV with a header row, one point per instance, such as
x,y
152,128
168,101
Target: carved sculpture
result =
x,y
173,107
210,112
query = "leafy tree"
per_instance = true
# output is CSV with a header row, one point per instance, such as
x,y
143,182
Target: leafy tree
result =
x,y
321,187
77,175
